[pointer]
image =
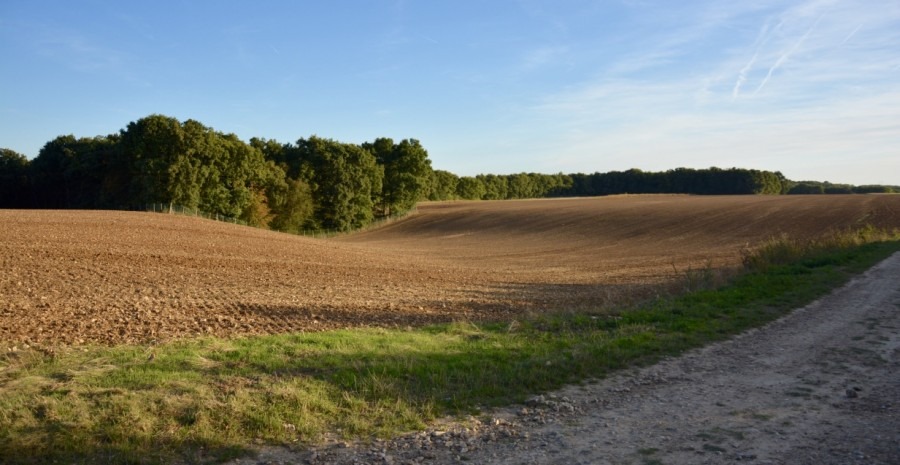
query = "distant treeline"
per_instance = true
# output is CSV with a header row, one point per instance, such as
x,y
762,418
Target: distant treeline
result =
x,y
314,183
710,181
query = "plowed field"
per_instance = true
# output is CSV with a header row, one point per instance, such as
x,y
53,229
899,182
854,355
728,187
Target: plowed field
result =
x,y
73,277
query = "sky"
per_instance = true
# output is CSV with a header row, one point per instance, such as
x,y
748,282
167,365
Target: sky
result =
x,y
810,88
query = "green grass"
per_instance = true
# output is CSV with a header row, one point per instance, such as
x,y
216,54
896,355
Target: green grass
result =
x,y
210,399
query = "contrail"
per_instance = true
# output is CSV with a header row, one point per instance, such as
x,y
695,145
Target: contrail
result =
x,y
785,56
847,39
742,76
761,39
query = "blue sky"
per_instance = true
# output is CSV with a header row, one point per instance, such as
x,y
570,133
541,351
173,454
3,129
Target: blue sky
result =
x,y
811,88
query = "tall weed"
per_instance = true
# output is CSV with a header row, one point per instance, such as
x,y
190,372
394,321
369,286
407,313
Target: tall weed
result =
x,y
700,278
783,249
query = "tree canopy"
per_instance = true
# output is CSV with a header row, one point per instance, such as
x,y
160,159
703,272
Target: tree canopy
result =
x,y
14,179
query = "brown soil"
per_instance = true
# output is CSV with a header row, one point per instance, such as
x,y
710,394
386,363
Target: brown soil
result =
x,y
72,277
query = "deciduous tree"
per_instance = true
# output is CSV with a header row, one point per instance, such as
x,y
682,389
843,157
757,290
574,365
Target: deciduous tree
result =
x,y
14,179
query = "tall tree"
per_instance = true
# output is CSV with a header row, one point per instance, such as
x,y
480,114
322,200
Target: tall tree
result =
x,y
407,173
73,173
153,145
14,179
344,179
521,186
443,185
470,188
292,205
495,187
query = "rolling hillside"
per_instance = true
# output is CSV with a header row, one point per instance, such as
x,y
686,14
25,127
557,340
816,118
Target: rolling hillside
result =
x,y
73,277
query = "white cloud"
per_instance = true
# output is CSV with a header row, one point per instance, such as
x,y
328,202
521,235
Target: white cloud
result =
x,y
827,97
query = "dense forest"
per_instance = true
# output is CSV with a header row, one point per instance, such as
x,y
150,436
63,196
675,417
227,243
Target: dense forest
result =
x,y
314,183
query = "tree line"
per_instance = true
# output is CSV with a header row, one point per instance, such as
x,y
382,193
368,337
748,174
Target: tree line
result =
x,y
314,183
710,181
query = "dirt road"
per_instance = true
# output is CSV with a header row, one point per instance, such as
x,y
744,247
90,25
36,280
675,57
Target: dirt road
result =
x,y
820,386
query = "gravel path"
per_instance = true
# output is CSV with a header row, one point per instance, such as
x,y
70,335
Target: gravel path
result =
x,y
819,386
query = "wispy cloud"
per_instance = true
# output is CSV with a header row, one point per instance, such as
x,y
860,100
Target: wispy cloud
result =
x,y
75,52
742,76
743,73
838,106
78,52
761,41
802,142
850,36
784,56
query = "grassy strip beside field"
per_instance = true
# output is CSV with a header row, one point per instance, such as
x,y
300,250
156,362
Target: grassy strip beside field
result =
x,y
210,399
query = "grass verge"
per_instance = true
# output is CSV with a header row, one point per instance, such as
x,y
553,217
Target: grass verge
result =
x,y
210,399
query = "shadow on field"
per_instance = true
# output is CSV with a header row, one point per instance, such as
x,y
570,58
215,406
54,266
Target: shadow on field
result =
x,y
504,302
280,318
522,300
63,442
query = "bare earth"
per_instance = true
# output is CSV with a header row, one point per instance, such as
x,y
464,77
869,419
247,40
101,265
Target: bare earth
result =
x,y
821,386
74,277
